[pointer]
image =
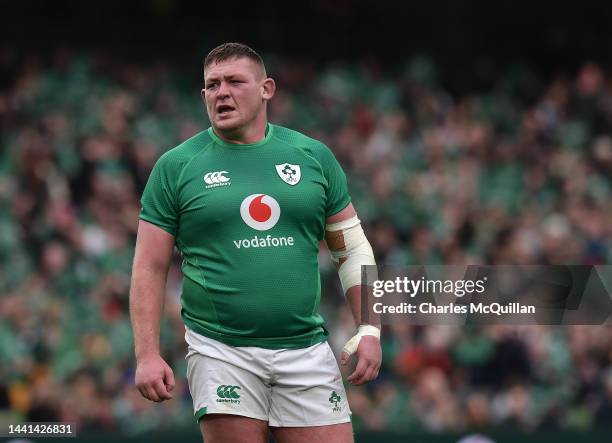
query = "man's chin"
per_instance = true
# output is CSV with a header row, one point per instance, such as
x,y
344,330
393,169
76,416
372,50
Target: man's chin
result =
x,y
227,124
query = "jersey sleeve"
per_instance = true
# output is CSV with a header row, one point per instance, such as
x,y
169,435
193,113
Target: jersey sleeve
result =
x,y
158,202
337,193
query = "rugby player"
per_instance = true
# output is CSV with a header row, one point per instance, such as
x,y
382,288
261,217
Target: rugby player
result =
x,y
246,203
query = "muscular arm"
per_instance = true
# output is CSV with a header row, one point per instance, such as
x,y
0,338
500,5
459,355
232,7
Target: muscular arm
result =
x,y
368,352
154,246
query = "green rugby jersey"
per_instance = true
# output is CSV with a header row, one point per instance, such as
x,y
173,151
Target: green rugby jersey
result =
x,y
248,220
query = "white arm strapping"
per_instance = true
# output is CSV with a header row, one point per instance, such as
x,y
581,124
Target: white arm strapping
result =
x,y
358,252
351,346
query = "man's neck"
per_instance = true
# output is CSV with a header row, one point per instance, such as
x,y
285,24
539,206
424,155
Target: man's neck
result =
x,y
251,135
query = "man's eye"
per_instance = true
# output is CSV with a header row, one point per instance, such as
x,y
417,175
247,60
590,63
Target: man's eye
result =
x,y
211,86
235,82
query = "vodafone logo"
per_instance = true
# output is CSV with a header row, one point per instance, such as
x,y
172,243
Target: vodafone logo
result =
x,y
260,211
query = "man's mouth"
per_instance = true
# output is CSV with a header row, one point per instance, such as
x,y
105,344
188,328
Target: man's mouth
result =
x,y
224,109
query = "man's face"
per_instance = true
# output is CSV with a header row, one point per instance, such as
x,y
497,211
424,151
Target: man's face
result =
x,y
235,93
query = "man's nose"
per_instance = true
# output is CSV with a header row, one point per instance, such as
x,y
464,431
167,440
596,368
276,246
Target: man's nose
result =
x,y
223,90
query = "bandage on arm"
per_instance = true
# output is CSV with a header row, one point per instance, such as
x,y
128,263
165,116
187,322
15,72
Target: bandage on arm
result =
x,y
349,249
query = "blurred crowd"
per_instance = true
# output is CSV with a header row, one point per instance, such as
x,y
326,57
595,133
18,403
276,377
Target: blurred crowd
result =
x,y
518,173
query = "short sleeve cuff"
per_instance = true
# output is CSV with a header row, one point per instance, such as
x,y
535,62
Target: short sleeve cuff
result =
x,y
166,227
339,206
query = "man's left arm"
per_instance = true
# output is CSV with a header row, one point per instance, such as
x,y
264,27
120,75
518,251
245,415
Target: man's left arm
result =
x,y
350,250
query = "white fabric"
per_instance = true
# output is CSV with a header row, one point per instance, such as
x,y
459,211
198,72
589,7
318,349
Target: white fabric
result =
x,y
285,387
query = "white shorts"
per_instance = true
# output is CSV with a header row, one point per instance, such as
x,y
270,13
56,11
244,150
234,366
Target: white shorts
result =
x,y
285,387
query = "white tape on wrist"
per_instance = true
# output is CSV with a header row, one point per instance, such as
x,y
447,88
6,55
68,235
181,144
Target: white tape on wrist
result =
x,y
350,347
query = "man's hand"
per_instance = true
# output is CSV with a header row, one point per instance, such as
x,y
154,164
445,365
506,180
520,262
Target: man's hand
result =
x,y
369,357
154,378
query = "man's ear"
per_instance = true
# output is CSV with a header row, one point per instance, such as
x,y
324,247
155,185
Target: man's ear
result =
x,y
203,94
268,88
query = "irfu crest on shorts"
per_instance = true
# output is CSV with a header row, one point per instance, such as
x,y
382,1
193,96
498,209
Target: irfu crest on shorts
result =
x,y
290,174
334,399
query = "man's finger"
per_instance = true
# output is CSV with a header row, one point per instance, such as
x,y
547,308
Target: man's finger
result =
x,y
169,379
370,375
365,377
151,394
160,390
359,371
143,391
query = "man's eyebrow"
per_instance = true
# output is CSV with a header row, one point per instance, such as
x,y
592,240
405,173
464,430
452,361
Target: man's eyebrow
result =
x,y
228,76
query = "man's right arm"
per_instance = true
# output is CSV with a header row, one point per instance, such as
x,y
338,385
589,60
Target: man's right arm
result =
x,y
154,247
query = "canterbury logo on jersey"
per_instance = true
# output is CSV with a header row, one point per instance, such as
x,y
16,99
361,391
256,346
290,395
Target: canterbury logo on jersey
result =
x,y
228,394
217,178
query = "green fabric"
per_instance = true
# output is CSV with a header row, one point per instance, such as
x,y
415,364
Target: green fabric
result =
x,y
200,413
241,287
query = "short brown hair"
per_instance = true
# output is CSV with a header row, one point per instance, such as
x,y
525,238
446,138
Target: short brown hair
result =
x,y
228,51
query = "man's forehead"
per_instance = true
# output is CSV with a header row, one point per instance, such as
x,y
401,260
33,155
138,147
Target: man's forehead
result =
x,y
232,66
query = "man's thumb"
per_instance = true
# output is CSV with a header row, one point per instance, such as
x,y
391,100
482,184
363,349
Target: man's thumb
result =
x,y
344,358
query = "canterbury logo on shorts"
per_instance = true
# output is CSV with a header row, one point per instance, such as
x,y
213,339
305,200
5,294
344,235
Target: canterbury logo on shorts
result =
x,y
227,391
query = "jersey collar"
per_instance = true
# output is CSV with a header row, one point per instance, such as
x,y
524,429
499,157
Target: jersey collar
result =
x,y
263,141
